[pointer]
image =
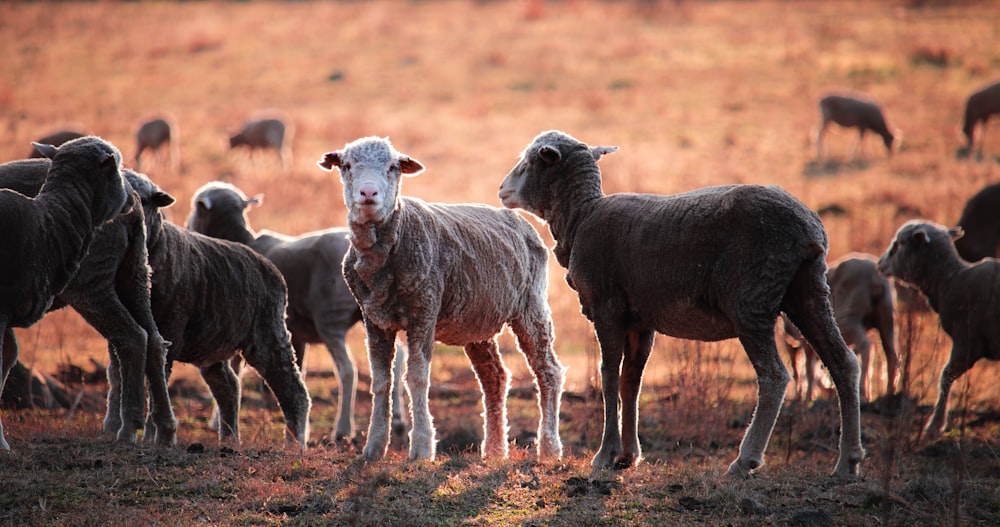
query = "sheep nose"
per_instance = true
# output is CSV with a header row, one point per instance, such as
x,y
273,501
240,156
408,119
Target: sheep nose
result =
x,y
368,192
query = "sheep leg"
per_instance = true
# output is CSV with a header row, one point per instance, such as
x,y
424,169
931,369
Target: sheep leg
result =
x,y
639,346
380,357
810,367
8,356
862,347
113,414
958,364
398,367
858,143
535,342
772,381
237,364
612,351
819,139
225,387
494,382
347,375
274,360
887,336
418,374
160,410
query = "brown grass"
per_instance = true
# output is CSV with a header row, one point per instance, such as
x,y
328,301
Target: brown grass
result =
x,y
695,93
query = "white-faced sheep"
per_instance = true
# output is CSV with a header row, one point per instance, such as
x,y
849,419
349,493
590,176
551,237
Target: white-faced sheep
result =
x,y
980,225
321,309
56,138
44,239
979,107
153,136
111,292
862,300
853,112
711,264
965,296
270,133
450,273
213,299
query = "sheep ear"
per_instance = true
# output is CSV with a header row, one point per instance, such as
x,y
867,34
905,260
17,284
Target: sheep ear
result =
x,y
598,151
410,166
921,236
330,160
203,202
256,200
955,233
549,154
161,199
48,151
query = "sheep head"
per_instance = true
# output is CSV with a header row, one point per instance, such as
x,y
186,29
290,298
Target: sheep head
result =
x,y
552,160
218,206
370,170
98,160
908,255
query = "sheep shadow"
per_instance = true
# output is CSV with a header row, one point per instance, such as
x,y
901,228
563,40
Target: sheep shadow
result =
x,y
833,167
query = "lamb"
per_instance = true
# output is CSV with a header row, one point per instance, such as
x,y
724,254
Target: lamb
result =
x,y
708,265
981,227
111,292
320,306
979,107
266,133
45,238
56,138
862,300
213,298
852,112
456,274
965,296
152,135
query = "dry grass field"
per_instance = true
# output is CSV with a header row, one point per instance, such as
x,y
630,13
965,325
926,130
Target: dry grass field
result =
x,y
694,93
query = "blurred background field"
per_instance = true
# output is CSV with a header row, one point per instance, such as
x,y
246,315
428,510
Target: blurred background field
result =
x,y
694,93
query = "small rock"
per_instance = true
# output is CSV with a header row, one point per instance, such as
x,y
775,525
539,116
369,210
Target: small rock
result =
x,y
752,507
812,518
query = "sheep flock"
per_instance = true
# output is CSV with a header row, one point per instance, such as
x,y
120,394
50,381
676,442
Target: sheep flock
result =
x,y
741,261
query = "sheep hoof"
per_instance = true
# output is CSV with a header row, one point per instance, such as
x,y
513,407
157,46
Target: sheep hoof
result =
x,y
744,470
626,461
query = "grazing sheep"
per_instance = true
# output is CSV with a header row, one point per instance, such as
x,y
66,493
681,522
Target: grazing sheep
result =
x,y
320,306
862,300
212,299
979,107
851,112
450,273
711,264
153,135
45,238
56,138
981,225
266,133
965,296
111,292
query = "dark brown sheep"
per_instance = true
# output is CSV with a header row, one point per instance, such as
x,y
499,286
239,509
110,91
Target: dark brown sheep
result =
x,y
159,137
979,107
711,264
272,133
853,112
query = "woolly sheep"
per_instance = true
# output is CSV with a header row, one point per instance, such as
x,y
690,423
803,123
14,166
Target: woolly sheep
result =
x,y
45,238
320,306
152,135
709,265
980,225
852,112
979,107
56,138
965,296
862,300
456,274
212,299
266,133
111,292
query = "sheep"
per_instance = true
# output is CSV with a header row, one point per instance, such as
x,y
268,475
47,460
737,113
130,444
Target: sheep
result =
x,y
320,306
45,238
965,296
979,107
266,133
852,112
56,138
111,292
981,227
453,273
711,264
862,300
213,298
152,135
